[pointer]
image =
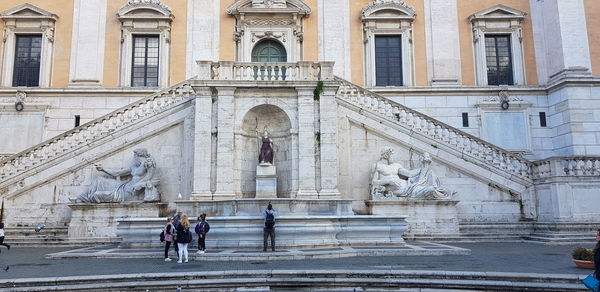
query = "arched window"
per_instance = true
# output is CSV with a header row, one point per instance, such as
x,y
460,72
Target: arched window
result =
x,y
269,51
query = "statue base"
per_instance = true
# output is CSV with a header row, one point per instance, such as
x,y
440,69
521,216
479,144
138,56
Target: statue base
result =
x,y
426,218
266,181
90,221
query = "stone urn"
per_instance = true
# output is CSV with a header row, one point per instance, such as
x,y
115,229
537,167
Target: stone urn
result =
x,y
584,264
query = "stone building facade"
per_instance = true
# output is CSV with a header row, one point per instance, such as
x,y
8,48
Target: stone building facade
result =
x,y
504,94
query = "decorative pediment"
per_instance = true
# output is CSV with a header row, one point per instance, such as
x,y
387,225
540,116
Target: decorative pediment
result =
x,y
387,9
498,12
27,11
268,6
145,9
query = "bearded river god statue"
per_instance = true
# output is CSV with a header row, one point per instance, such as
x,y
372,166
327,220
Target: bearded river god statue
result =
x,y
107,188
391,181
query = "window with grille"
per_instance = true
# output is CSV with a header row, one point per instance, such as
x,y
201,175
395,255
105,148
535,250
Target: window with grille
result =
x,y
145,61
499,60
388,60
27,60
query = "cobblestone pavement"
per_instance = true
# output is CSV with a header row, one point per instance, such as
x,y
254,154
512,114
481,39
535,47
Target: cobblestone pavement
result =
x,y
488,257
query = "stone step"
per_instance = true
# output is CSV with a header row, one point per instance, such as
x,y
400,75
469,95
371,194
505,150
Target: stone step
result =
x,y
330,280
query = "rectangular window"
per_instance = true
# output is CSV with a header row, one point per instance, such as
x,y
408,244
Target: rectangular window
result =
x,y
499,60
388,60
27,61
542,119
145,61
465,120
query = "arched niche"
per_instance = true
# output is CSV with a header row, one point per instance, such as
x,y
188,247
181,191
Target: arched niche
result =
x,y
247,144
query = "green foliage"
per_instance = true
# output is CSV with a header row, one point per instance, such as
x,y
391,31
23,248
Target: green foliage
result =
x,y
583,254
318,90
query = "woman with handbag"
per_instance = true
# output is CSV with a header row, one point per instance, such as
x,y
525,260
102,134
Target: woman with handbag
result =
x,y
184,237
168,231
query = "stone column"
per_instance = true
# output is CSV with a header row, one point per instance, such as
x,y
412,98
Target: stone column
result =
x,y
561,39
443,47
328,142
202,145
306,143
225,186
87,47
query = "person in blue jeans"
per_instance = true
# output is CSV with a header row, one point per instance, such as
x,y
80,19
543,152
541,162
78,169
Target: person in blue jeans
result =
x,y
269,230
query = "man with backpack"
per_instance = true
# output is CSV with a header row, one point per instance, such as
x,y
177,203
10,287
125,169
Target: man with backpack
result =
x,y
201,229
269,230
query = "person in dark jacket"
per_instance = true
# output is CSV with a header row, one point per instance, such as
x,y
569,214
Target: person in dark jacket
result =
x,y
184,237
269,230
201,229
597,256
169,232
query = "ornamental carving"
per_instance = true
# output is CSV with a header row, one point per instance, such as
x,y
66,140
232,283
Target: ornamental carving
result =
x,y
387,4
269,21
152,4
268,34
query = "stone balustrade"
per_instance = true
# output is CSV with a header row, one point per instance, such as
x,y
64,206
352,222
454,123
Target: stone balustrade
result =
x,y
467,144
94,130
566,166
255,71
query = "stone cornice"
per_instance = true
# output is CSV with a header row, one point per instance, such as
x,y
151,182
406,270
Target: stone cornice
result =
x,y
378,5
245,6
14,13
508,13
162,10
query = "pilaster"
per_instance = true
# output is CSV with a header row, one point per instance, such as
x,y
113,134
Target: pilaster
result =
x,y
87,54
328,143
306,141
225,186
203,32
443,47
202,145
334,35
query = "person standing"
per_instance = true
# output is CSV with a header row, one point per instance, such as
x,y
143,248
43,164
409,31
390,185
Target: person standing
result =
x,y
169,231
597,256
176,222
201,229
269,230
184,237
2,236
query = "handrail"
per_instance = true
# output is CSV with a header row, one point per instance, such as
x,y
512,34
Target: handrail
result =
x,y
434,129
572,166
97,128
261,71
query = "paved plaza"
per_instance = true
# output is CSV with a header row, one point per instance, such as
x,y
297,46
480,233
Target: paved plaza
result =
x,y
484,257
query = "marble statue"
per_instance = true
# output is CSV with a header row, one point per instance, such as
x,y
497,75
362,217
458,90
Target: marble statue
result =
x,y
424,184
108,188
266,150
388,178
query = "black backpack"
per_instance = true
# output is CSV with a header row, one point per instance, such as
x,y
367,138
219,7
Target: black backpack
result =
x,y
186,235
270,221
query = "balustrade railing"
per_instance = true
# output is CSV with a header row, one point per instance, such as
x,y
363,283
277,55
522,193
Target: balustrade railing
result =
x,y
434,129
567,166
94,130
255,71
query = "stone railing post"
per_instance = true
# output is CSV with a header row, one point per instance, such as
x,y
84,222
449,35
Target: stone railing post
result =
x,y
305,68
327,70
226,70
204,70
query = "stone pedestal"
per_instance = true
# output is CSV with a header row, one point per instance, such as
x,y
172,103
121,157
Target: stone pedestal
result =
x,y
266,181
426,218
100,220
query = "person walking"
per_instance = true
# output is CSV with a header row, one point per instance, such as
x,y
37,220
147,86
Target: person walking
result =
x,y
169,232
269,230
597,256
2,236
184,237
201,229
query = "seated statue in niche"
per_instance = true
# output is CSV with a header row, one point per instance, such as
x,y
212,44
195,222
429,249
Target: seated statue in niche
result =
x,y
266,150
388,178
108,188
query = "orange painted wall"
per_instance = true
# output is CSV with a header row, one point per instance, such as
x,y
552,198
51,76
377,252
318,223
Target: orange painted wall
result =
x,y
311,32
468,7
227,46
62,35
592,13
357,47
112,49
